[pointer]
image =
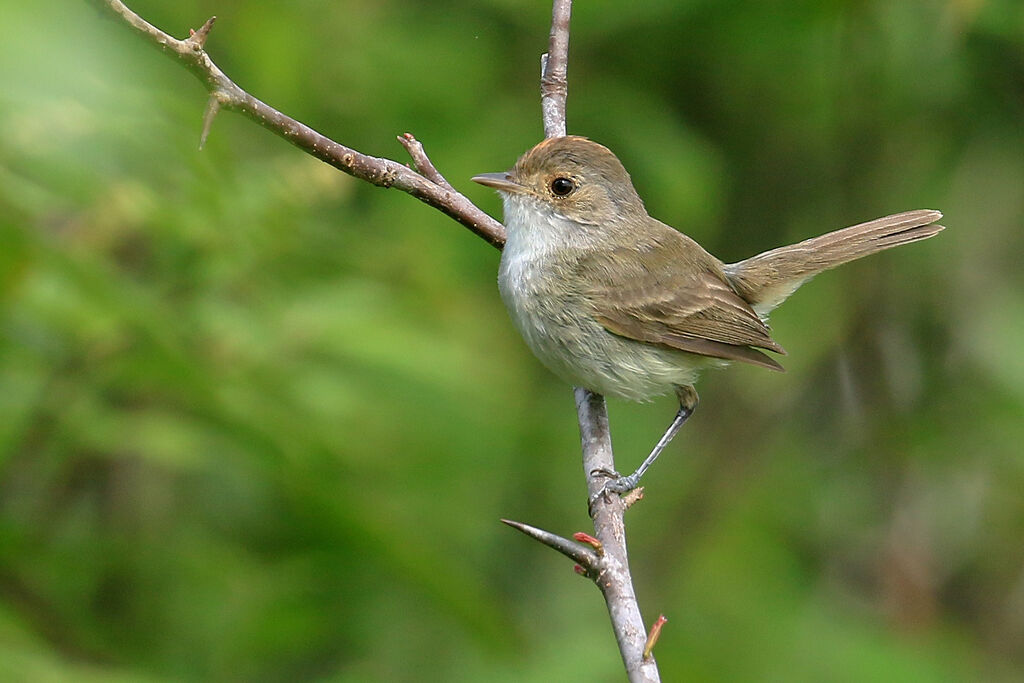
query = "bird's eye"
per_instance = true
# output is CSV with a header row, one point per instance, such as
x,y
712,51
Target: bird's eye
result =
x,y
562,186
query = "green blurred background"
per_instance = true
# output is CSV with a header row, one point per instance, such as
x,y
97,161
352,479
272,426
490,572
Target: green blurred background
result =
x,y
258,420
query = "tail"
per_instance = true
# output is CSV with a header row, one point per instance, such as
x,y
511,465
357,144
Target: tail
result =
x,y
767,279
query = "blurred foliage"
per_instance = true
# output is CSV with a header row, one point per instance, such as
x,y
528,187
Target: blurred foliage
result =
x,y
258,420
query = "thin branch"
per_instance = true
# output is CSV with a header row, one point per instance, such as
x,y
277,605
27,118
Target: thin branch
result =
x,y
378,171
554,84
608,512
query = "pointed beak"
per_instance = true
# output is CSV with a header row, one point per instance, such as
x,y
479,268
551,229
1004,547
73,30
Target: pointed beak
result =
x,y
499,181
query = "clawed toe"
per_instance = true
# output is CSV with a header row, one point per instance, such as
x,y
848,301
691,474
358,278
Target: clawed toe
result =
x,y
622,485
618,484
605,472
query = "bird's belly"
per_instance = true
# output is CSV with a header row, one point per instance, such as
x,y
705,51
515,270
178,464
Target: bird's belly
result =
x,y
556,324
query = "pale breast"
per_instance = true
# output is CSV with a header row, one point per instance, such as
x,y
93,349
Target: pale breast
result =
x,y
546,302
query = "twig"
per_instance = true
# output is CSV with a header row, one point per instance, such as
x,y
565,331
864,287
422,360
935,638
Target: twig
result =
x,y
608,512
225,94
554,84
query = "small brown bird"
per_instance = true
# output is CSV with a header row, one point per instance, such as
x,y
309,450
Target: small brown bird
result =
x,y
615,301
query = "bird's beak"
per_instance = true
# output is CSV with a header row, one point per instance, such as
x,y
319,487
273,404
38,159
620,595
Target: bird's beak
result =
x,y
499,181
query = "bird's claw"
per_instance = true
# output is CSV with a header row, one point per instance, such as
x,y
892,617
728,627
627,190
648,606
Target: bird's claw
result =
x,y
617,484
622,485
605,472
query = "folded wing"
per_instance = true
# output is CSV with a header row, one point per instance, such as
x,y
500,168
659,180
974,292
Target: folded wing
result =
x,y
676,298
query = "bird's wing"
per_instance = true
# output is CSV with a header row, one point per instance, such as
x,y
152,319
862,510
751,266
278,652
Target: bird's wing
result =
x,y
676,298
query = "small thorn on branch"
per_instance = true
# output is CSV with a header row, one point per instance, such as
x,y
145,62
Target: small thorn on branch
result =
x,y
212,107
585,557
652,637
198,38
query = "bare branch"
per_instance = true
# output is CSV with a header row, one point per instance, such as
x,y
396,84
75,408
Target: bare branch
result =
x,y
554,85
378,171
608,512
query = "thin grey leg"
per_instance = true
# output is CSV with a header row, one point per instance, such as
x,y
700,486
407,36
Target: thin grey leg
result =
x,y
630,482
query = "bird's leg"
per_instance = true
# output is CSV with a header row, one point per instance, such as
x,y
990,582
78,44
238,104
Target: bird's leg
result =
x,y
687,404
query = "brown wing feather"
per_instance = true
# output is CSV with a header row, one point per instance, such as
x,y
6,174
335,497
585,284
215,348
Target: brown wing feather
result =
x,y
676,297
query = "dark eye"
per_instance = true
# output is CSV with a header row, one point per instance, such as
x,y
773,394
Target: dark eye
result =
x,y
562,186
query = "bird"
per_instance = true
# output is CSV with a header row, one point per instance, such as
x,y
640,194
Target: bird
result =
x,y
615,301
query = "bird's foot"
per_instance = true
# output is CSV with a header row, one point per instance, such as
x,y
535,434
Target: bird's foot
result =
x,y
616,484
622,485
